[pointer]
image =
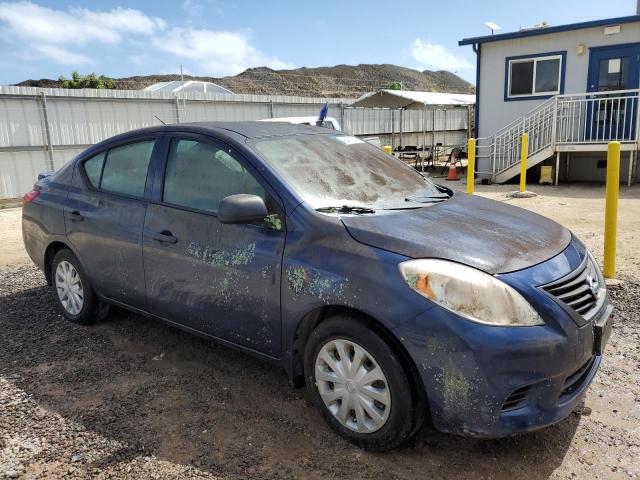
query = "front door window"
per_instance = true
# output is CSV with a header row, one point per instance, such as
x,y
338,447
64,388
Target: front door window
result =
x,y
612,74
199,175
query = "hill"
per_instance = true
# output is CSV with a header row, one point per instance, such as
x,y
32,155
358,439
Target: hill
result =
x,y
337,81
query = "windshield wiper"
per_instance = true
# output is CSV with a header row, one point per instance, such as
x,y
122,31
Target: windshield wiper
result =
x,y
346,209
427,198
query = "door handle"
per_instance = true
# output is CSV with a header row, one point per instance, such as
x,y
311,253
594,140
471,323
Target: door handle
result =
x,y
75,216
164,237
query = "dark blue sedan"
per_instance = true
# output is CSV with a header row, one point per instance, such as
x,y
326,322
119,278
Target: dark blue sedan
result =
x,y
392,298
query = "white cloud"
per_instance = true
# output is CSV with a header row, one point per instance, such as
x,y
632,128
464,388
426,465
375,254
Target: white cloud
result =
x,y
37,24
75,36
63,56
125,20
49,32
434,56
215,52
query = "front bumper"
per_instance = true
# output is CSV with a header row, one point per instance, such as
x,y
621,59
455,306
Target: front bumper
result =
x,y
546,404
482,389
492,382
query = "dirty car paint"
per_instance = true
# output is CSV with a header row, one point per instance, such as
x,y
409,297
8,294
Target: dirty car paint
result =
x,y
254,286
500,238
220,279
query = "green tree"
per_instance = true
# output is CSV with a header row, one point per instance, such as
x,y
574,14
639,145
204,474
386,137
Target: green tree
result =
x,y
86,81
394,86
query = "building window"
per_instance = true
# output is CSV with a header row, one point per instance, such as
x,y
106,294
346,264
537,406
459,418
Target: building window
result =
x,y
534,76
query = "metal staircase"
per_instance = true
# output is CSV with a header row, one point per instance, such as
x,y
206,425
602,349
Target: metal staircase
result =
x,y
573,122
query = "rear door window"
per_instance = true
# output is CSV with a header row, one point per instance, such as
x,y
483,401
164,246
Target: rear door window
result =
x,y
125,168
199,175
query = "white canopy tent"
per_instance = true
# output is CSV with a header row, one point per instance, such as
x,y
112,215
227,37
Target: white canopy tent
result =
x,y
187,86
405,99
412,100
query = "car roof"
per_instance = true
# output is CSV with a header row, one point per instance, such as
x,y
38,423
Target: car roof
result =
x,y
263,129
246,129
238,131
310,118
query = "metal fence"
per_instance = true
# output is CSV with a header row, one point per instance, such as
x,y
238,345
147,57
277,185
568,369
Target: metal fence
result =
x,y
41,129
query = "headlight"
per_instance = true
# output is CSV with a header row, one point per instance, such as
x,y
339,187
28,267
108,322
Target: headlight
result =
x,y
470,293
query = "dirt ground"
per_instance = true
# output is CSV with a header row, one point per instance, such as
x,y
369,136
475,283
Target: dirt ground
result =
x,y
581,209
11,247
132,398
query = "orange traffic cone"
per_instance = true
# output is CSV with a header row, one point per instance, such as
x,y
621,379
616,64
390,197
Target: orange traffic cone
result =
x,y
453,172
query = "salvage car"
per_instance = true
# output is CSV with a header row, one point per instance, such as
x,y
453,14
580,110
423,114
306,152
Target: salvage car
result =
x,y
392,298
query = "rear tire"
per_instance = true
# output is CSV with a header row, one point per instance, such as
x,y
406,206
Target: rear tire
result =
x,y
76,298
359,385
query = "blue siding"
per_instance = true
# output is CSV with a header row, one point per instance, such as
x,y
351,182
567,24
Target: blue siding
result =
x,y
544,31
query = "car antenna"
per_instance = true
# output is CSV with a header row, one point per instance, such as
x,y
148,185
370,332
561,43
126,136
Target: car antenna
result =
x,y
159,119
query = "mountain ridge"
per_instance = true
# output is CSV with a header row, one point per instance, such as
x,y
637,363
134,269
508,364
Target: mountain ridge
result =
x,y
347,81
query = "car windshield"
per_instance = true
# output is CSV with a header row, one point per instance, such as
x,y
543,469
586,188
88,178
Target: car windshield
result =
x,y
340,170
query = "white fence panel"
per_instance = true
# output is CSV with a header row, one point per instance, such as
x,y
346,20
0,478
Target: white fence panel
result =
x,y
19,171
78,118
21,122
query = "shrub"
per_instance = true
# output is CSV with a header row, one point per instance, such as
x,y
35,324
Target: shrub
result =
x,y
86,81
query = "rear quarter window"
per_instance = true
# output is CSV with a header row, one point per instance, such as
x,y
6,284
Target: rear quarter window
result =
x,y
93,169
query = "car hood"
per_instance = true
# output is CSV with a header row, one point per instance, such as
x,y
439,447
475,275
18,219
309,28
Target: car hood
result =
x,y
485,234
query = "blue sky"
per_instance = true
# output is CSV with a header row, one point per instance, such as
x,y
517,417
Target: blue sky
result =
x,y
44,39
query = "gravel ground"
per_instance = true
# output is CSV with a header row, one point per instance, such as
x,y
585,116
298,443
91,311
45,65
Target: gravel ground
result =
x,y
132,398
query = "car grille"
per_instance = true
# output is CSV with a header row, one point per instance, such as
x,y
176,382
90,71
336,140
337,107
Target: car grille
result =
x,y
576,379
517,399
574,290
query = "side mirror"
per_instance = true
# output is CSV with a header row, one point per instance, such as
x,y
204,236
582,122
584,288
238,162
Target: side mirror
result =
x,y
242,208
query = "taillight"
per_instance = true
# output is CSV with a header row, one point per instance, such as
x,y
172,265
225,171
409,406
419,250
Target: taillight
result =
x,y
30,197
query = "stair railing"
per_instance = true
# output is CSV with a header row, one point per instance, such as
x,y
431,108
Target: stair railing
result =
x,y
582,118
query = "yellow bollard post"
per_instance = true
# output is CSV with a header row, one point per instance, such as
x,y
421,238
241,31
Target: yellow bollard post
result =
x,y
471,164
387,149
523,162
611,209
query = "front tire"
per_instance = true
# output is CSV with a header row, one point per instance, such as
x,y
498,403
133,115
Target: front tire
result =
x,y
76,298
359,385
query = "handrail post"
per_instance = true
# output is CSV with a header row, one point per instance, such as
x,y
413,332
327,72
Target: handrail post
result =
x,y
555,123
493,155
471,164
637,119
524,149
611,208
